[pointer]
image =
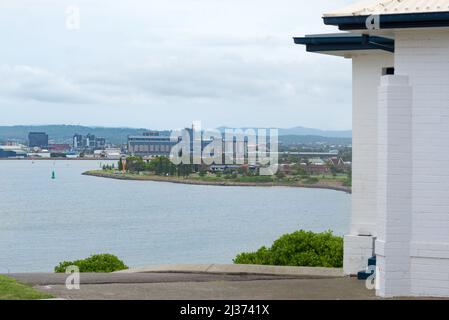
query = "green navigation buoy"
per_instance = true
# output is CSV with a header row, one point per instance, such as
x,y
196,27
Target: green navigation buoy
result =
x,y
53,176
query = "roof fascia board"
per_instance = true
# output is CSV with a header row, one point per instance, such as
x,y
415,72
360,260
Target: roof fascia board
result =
x,y
392,21
345,43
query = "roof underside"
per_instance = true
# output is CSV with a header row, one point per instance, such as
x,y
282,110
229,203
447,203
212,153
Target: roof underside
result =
x,y
344,43
388,14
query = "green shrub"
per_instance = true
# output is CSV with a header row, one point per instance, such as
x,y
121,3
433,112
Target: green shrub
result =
x,y
280,175
311,180
348,180
255,179
95,263
301,248
261,256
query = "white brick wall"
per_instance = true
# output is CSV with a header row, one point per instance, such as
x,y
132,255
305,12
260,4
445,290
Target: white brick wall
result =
x,y
422,56
401,165
366,73
359,245
394,185
357,251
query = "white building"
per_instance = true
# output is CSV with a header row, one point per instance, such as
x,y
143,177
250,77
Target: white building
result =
x,y
13,151
400,193
109,153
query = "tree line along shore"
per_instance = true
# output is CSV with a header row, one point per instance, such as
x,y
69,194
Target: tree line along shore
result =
x,y
163,170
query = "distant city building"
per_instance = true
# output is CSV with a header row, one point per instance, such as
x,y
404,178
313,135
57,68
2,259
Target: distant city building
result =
x,y
39,154
77,141
331,153
12,151
88,142
230,168
338,163
152,143
38,139
7,153
59,147
108,153
100,143
317,161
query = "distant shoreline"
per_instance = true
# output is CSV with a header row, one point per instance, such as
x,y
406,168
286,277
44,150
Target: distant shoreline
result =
x,y
58,158
100,174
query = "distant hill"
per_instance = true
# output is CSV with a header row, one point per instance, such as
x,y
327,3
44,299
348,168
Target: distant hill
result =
x,y
299,139
64,133
302,131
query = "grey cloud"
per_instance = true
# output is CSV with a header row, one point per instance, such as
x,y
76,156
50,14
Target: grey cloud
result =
x,y
198,54
218,77
30,83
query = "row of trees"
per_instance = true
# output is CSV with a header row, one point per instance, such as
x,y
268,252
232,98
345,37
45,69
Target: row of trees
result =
x,y
159,165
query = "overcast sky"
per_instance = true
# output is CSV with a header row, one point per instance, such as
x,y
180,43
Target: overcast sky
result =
x,y
164,63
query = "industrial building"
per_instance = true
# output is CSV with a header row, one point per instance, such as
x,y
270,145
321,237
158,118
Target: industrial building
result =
x,y
151,143
38,139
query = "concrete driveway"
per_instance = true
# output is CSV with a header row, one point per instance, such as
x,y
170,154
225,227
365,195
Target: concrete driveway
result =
x,y
198,286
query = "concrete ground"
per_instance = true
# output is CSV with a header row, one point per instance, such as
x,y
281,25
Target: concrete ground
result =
x,y
200,285
241,269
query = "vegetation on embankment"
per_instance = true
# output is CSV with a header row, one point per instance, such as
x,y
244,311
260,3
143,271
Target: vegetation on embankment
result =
x,y
300,248
95,263
162,169
262,181
10,289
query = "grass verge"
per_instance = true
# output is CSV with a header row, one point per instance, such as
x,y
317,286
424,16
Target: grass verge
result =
x,y
10,289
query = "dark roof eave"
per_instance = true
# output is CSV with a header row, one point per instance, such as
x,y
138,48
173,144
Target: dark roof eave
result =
x,y
392,21
345,43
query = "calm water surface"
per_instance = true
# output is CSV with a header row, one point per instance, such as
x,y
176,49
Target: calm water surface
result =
x,y
45,221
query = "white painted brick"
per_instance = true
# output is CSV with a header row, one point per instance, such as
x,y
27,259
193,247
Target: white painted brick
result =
x,y
395,179
357,250
400,166
420,212
366,79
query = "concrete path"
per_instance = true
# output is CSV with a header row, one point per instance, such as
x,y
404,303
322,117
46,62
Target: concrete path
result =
x,y
198,282
186,288
312,272
44,279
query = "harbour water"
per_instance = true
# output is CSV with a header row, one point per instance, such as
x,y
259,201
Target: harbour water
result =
x,y
44,221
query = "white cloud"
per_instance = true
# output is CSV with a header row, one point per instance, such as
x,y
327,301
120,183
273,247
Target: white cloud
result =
x,y
225,61
30,83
